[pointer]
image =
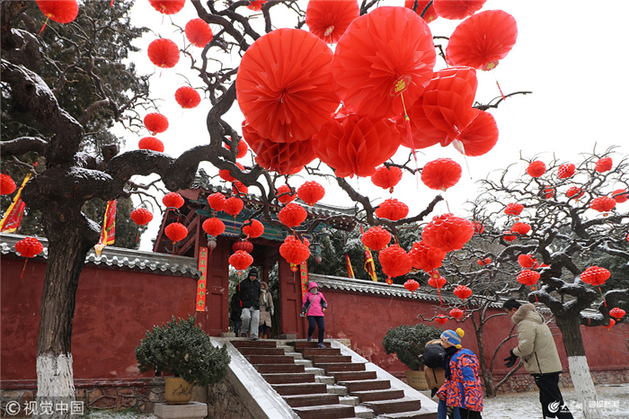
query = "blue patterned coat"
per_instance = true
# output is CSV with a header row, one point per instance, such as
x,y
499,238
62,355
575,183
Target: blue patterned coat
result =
x,y
463,389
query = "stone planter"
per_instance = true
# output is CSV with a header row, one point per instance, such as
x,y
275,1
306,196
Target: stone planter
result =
x,y
416,379
177,391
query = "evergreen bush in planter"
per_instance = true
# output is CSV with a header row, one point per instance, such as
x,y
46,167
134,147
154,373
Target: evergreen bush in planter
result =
x,y
185,350
409,342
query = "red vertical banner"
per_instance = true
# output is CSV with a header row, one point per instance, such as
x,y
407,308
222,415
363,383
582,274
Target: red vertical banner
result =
x,y
202,282
303,273
108,230
350,270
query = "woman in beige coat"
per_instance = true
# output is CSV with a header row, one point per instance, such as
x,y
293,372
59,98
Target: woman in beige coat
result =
x,y
266,310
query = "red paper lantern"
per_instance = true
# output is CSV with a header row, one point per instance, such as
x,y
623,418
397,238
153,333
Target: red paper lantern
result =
x,y
392,209
484,262
479,228
385,56
441,174
479,137
376,238
299,98
141,216
457,9
514,208
155,122
566,171
411,285
254,229
60,11
617,313
173,200
482,40
198,32
448,232
168,7
441,319
187,97
536,168
548,192
239,188
163,53
213,226
457,313
328,20
423,133
294,250
462,292
429,15
387,177
612,322
574,192
595,275
395,261
256,5
356,145
216,201
233,206
244,245
286,194
7,185
240,260
29,247
292,215
521,228
226,176
436,280
508,236
603,165
528,277
425,257
151,143
603,204
620,195
176,232
526,261
311,192
242,148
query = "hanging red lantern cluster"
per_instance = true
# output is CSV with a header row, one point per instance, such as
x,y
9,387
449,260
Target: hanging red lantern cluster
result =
x,y
287,194
411,285
387,177
566,171
620,195
187,97
29,247
155,122
441,319
292,215
216,201
233,206
244,245
176,232
574,192
163,53
311,192
514,208
392,209
395,261
484,262
173,200
603,204
536,168
441,174
151,143
239,188
7,185
482,40
425,257
198,32
457,9
521,228
528,277
374,75
479,137
595,275
240,260
603,165
168,7
60,11
254,229
213,226
462,292
457,313
376,238
294,250
527,261
617,313
328,20
448,232
429,15
141,216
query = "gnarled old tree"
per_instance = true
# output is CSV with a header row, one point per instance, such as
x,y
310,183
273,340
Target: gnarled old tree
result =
x,y
70,178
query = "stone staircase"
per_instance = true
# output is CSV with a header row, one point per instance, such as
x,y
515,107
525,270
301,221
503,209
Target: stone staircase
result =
x,y
325,383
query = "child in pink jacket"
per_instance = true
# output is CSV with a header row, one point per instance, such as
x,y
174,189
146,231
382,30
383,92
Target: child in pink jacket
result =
x,y
314,308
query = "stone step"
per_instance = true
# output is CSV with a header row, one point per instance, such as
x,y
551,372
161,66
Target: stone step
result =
x,y
393,406
340,390
350,400
295,355
289,378
324,379
248,343
270,359
314,370
311,399
251,350
299,388
326,359
354,375
364,385
280,368
305,344
330,411
319,351
416,414
343,366
305,362
364,412
368,396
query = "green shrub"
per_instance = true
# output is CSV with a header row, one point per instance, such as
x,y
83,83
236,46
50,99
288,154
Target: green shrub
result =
x,y
185,350
409,342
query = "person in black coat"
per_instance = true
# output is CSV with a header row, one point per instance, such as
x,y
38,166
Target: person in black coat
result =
x,y
236,312
249,296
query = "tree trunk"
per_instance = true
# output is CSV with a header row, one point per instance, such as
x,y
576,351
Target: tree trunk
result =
x,y
490,391
577,362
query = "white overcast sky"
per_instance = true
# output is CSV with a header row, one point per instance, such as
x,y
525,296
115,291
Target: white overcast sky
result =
x,y
573,56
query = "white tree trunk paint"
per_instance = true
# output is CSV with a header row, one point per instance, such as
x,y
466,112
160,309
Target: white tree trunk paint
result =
x,y
584,386
54,376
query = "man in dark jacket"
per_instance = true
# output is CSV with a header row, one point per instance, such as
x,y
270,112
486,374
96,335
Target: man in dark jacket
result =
x,y
536,346
249,295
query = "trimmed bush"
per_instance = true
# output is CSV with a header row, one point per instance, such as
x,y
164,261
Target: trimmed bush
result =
x,y
409,342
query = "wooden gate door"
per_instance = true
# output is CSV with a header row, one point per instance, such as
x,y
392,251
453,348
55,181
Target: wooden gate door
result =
x,y
217,297
290,298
